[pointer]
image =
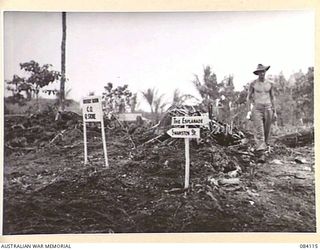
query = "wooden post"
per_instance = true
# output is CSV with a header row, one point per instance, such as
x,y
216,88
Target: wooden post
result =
x,y
104,144
85,142
187,133
187,168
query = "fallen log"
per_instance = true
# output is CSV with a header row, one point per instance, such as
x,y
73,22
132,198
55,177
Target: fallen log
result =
x,y
298,139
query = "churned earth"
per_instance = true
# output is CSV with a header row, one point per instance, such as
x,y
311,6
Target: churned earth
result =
x,y
48,189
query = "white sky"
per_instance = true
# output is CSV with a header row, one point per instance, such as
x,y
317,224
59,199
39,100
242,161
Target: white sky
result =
x,y
162,50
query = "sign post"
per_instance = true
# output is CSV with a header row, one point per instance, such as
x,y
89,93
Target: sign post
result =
x,y
187,133
104,144
85,143
187,168
92,112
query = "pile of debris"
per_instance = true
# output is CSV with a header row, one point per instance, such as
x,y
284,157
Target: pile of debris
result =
x,y
214,132
27,133
37,130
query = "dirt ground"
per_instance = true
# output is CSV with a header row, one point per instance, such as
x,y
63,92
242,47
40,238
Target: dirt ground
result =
x,y
48,190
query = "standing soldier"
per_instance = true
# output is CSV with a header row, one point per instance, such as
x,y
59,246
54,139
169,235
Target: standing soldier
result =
x,y
261,96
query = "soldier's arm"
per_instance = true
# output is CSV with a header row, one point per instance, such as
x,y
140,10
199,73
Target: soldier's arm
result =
x,y
272,97
250,96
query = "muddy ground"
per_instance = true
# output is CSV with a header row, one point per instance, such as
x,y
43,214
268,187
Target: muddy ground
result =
x,y
48,189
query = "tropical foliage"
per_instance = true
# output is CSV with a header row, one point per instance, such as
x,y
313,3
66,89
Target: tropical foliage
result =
x,y
37,77
119,99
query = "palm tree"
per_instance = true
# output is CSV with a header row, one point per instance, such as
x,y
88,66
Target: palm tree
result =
x,y
176,97
149,95
209,89
66,102
63,62
179,99
158,106
58,97
156,102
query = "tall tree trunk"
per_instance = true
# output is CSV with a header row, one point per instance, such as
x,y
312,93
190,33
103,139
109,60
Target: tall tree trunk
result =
x,y
63,62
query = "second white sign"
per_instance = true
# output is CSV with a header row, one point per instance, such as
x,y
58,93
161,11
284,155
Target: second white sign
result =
x,y
184,132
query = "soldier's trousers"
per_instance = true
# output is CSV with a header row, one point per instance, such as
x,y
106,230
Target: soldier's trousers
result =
x,y
262,119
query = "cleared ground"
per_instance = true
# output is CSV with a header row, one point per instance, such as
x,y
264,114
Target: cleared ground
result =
x,y
48,189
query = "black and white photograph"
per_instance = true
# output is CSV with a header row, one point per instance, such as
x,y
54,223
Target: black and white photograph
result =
x,y
158,122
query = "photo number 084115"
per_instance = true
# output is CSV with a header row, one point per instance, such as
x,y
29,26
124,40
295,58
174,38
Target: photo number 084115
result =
x,y
308,246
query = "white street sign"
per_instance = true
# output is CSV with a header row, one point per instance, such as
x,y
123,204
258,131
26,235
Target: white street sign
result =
x,y
184,132
189,120
92,109
92,112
